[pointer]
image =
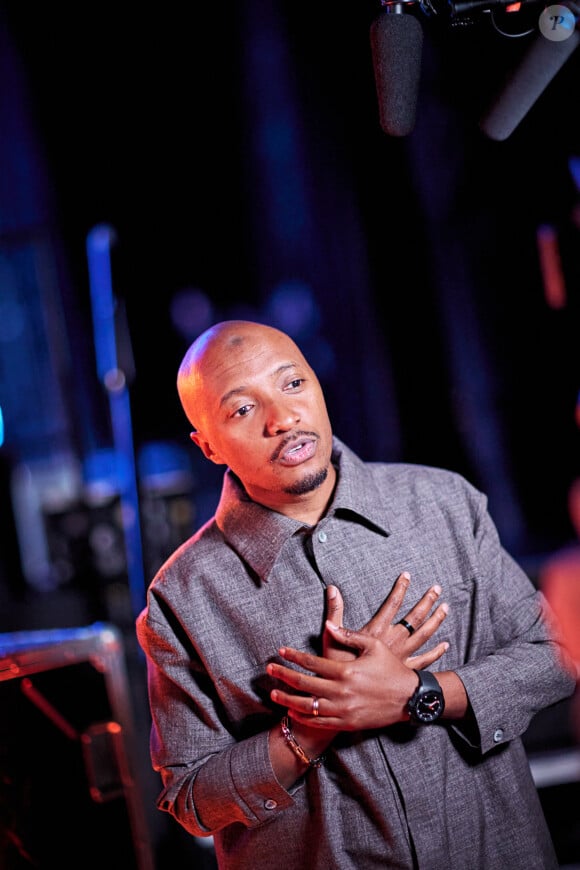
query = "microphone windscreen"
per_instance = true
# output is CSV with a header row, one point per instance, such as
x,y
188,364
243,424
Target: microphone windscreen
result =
x,y
543,59
396,46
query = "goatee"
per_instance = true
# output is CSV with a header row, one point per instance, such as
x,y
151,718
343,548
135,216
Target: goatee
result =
x,y
307,484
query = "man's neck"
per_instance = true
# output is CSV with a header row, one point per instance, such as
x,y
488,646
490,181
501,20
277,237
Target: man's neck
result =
x,y
308,508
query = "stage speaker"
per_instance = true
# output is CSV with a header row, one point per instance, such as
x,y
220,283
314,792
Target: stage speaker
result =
x,y
69,791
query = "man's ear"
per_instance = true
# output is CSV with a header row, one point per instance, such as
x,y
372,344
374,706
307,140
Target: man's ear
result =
x,y
205,448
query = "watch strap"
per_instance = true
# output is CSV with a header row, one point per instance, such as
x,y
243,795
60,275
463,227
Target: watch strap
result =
x,y
427,682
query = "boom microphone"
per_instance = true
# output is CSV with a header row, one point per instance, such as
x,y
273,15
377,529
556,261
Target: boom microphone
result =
x,y
396,46
397,41
540,64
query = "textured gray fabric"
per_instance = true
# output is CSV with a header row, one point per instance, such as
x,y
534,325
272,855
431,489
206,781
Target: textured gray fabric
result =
x,y
252,580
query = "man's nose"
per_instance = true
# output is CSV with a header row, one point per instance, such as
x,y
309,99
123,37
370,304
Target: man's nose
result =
x,y
281,418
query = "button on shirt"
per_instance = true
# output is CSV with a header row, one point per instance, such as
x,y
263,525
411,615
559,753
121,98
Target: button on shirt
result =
x,y
449,796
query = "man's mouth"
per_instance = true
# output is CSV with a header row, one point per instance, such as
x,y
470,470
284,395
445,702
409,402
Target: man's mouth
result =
x,y
299,448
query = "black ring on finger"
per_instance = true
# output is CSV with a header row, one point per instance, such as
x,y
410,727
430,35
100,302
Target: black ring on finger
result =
x,y
407,625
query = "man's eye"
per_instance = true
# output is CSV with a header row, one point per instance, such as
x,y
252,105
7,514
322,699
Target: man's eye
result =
x,y
297,382
243,411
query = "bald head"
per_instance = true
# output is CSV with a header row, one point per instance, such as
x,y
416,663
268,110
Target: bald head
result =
x,y
221,342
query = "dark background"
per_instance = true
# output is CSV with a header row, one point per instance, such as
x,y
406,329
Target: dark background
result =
x,y
234,156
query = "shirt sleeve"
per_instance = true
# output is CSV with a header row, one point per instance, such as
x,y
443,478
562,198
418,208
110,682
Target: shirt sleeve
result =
x,y
210,779
527,669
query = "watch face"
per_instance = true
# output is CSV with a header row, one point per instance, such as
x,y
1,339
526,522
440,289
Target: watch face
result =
x,y
428,707
427,703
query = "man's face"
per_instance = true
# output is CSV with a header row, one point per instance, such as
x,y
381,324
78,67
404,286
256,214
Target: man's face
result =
x,y
264,415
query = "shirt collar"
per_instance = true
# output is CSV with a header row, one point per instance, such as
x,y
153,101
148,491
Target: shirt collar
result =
x,y
258,534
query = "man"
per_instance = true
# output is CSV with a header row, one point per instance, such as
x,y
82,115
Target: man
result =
x,y
296,742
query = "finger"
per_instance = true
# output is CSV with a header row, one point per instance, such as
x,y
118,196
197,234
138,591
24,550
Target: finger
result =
x,y
391,605
300,709
425,630
423,607
405,642
333,723
312,687
334,605
323,667
358,640
295,704
425,659
335,615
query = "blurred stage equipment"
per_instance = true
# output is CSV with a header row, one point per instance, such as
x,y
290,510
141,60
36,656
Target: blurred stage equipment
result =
x,y
70,527
168,512
396,37
115,380
69,792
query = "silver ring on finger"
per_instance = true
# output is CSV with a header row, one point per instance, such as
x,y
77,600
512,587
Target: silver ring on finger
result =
x,y
315,704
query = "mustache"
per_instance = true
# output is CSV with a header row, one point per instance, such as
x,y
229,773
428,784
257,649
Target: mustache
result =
x,y
288,439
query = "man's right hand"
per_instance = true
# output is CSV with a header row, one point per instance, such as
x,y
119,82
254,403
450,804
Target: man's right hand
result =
x,y
395,636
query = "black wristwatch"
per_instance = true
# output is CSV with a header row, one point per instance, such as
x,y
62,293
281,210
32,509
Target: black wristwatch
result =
x,y
427,703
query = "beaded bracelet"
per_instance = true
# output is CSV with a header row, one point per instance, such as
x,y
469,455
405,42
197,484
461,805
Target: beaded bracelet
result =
x,y
295,746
